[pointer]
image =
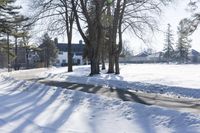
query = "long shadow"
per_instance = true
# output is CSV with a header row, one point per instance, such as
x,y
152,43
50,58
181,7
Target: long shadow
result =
x,y
8,84
74,102
35,111
129,96
30,103
31,86
27,102
119,83
115,93
180,123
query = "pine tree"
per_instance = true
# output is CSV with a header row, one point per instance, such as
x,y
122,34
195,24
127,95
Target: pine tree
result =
x,y
183,44
168,46
49,50
8,12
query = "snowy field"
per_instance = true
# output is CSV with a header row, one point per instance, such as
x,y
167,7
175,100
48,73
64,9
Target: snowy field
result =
x,y
28,107
3,70
174,80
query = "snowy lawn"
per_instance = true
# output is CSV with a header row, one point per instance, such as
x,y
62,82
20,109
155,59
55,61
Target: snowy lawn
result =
x,y
28,107
3,70
178,80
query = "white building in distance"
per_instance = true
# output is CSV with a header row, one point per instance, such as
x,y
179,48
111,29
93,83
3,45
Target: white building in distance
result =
x,y
77,51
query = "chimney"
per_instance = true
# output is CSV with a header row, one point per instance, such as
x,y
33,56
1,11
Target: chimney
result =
x,y
80,42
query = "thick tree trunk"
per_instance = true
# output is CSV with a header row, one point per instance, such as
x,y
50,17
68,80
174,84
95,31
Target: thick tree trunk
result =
x,y
117,71
70,60
111,63
113,35
8,52
94,58
94,67
69,27
110,45
27,60
118,47
16,66
103,67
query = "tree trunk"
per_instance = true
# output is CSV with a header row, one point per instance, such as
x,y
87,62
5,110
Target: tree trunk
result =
x,y
70,60
94,58
118,47
16,59
103,61
27,60
117,71
69,27
8,52
110,45
111,59
113,35
111,63
94,67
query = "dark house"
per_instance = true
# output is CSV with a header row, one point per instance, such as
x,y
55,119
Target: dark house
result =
x,y
194,56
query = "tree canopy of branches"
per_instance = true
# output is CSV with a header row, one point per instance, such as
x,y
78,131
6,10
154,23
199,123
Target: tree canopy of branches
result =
x,y
191,24
60,19
101,24
120,15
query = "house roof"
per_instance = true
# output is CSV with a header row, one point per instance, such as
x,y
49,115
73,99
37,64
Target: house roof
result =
x,y
143,54
194,53
76,48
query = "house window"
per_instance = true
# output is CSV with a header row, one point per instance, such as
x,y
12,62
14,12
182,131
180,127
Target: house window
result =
x,y
63,61
60,52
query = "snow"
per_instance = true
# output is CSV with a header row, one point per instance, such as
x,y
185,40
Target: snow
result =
x,y
3,70
170,80
28,107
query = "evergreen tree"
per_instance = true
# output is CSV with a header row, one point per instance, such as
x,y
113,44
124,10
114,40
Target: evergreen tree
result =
x,y
49,50
183,44
168,45
7,13
9,19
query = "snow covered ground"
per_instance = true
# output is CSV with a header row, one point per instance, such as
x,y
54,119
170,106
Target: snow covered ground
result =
x,y
3,70
176,80
28,107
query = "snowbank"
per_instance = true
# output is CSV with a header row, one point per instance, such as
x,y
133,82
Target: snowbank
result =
x,y
178,80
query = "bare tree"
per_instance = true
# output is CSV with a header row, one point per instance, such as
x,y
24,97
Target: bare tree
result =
x,y
138,16
91,12
61,19
120,15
